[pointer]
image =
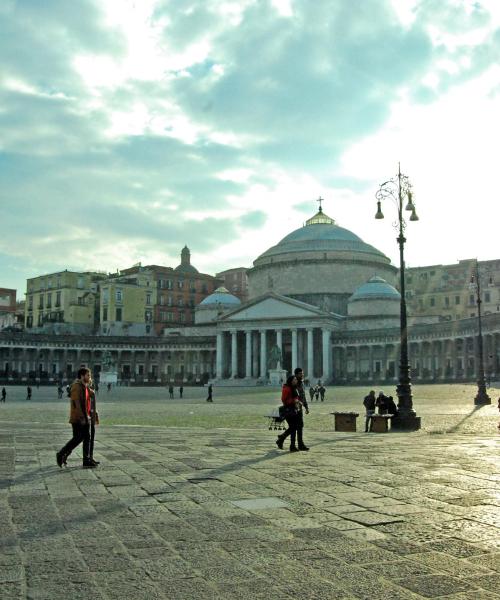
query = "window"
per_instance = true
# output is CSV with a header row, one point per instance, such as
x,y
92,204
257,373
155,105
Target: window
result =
x,y
447,301
163,316
148,298
170,316
170,301
79,283
29,322
58,299
409,279
457,300
58,281
432,302
162,300
119,296
49,300
471,299
30,302
40,304
105,314
40,319
183,317
148,316
118,314
170,284
180,284
204,288
49,284
105,295
181,302
80,301
487,297
433,273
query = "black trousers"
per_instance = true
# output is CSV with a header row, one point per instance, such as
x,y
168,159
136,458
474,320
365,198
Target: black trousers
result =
x,y
81,435
295,429
91,442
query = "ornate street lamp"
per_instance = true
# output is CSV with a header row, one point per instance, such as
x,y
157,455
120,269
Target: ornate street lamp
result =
x,y
481,396
399,190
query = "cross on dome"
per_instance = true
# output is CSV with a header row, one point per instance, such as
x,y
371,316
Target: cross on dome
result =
x,y
320,218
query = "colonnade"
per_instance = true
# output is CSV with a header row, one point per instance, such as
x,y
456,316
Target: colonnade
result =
x,y
131,364
246,353
430,359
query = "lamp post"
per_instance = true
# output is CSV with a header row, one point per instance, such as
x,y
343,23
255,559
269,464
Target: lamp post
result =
x,y
399,190
481,396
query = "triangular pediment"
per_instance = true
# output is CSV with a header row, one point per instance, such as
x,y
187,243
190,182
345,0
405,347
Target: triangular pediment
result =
x,y
273,306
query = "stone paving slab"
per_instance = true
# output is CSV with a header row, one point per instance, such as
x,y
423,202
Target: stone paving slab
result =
x,y
176,514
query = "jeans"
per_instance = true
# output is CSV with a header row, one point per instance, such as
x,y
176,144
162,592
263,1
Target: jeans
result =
x,y
295,428
91,442
81,435
369,414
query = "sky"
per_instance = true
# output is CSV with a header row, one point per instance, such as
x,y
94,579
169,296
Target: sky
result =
x,y
129,128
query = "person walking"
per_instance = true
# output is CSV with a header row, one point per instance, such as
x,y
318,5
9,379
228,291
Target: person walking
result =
x,y
369,404
299,374
109,387
59,391
171,391
322,391
94,420
291,411
79,417
312,391
181,391
29,391
4,394
210,393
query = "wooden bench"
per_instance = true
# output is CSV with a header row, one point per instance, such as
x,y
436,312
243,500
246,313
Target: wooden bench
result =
x,y
345,421
379,423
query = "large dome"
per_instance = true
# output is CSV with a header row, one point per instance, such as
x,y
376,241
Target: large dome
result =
x,y
321,237
320,263
221,296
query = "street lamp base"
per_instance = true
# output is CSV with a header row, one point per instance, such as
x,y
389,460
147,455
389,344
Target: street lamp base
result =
x,y
406,423
482,399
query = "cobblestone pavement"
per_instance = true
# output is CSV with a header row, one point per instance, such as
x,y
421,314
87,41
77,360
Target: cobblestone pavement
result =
x,y
203,514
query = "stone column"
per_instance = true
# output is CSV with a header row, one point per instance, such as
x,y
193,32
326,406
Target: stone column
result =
x,y
310,353
279,343
370,362
263,354
327,355
295,350
255,354
234,354
219,355
248,354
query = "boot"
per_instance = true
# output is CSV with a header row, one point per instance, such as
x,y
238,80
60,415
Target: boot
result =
x,y
60,458
279,442
303,448
89,464
293,449
94,462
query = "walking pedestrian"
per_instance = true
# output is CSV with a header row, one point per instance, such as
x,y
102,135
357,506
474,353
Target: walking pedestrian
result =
x,y
312,391
316,391
369,404
109,387
79,417
210,393
94,420
171,391
181,390
292,413
59,391
322,391
4,394
28,393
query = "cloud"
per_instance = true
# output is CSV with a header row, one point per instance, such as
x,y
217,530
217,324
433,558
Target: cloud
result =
x,y
128,129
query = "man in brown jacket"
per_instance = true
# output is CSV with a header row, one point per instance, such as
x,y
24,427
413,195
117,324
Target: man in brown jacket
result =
x,y
79,417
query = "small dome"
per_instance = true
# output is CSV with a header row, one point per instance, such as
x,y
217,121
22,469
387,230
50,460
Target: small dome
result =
x,y
186,269
220,296
376,289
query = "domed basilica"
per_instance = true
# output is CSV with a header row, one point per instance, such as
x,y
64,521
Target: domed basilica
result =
x,y
321,298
